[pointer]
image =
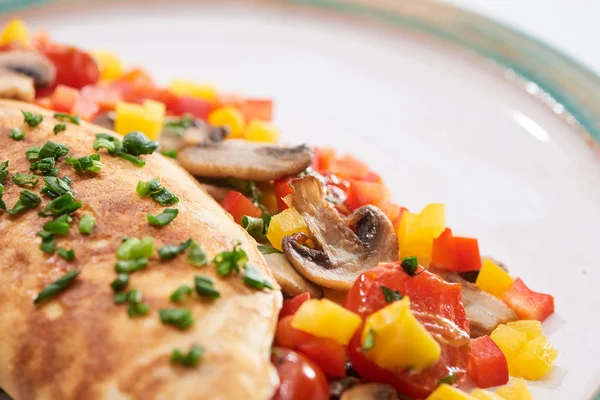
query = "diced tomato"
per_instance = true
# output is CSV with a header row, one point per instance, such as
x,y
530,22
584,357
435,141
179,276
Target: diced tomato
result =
x,y
45,102
467,254
329,355
136,77
362,193
373,177
324,157
231,100
140,93
181,105
444,252
74,67
63,98
239,205
487,364
349,167
106,96
528,304
85,108
283,189
257,108
436,303
300,378
290,306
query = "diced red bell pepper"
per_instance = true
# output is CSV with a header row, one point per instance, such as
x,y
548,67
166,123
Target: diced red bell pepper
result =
x,y
257,108
487,364
85,108
63,98
181,105
528,304
239,205
283,189
349,167
324,157
467,254
290,306
328,354
443,254
361,193
74,67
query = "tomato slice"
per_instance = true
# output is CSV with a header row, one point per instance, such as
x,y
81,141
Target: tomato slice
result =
x,y
436,304
74,67
300,378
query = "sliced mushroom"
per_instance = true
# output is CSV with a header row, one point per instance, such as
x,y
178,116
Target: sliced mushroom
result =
x,y
245,160
370,391
340,255
16,86
291,282
31,63
199,132
216,192
485,311
337,387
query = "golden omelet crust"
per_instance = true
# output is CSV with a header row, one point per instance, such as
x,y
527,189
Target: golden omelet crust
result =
x,y
82,346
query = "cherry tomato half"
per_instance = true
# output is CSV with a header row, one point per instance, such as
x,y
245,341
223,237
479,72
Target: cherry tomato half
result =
x,y
300,378
74,68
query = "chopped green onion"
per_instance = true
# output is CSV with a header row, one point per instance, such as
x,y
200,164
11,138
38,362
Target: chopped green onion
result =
x,y
86,224
169,153
63,204
390,295
48,244
89,163
178,317
268,249
254,226
137,309
134,296
32,119
171,251
25,179
130,266
27,200
229,261
56,187
204,287
179,293
3,171
132,159
136,143
2,203
191,359
164,218
144,189
120,298
33,153
450,379
196,254
66,254
74,119
54,150
56,287
120,283
410,265
17,134
369,340
46,166
164,197
178,126
108,142
134,248
59,226
253,278
59,128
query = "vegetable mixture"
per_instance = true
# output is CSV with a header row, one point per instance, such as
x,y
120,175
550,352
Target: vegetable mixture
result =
x,y
381,302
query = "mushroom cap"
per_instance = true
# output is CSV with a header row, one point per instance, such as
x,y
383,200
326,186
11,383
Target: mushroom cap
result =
x,y
291,282
16,86
31,63
245,160
340,255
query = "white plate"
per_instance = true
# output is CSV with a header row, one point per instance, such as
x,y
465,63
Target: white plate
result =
x,y
439,123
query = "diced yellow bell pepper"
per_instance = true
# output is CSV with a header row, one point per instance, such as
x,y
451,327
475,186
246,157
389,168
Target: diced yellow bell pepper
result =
x,y
536,358
15,32
147,118
481,394
515,390
493,279
447,392
261,131
510,342
269,200
531,328
284,224
324,318
230,117
400,340
417,232
200,91
109,64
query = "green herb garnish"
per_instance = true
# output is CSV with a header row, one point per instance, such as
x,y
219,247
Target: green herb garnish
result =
x,y
56,287
63,204
134,248
178,317
53,150
450,379
66,254
369,340
154,189
132,159
144,189
17,134
390,295
3,171
410,265
2,203
136,143
164,197
132,297
60,127
253,278
268,249
254,226
33,153
137,309
229,261
27,201
120,282
89,163
164,218
130,266
59,226
56,187
191,359
25,179
86,224
120,298
179,293
196,254
171,251
32,119
74,119
108,142
169,153
205,287
48,244
46,166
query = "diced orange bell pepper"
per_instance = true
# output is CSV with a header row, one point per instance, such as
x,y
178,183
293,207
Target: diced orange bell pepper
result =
x,y
467,254
493,279
393,211
535,359
487,364
349,167
362,193
528,304
137,77
63,98
284,224
443,253
326,319
239,205
230,117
